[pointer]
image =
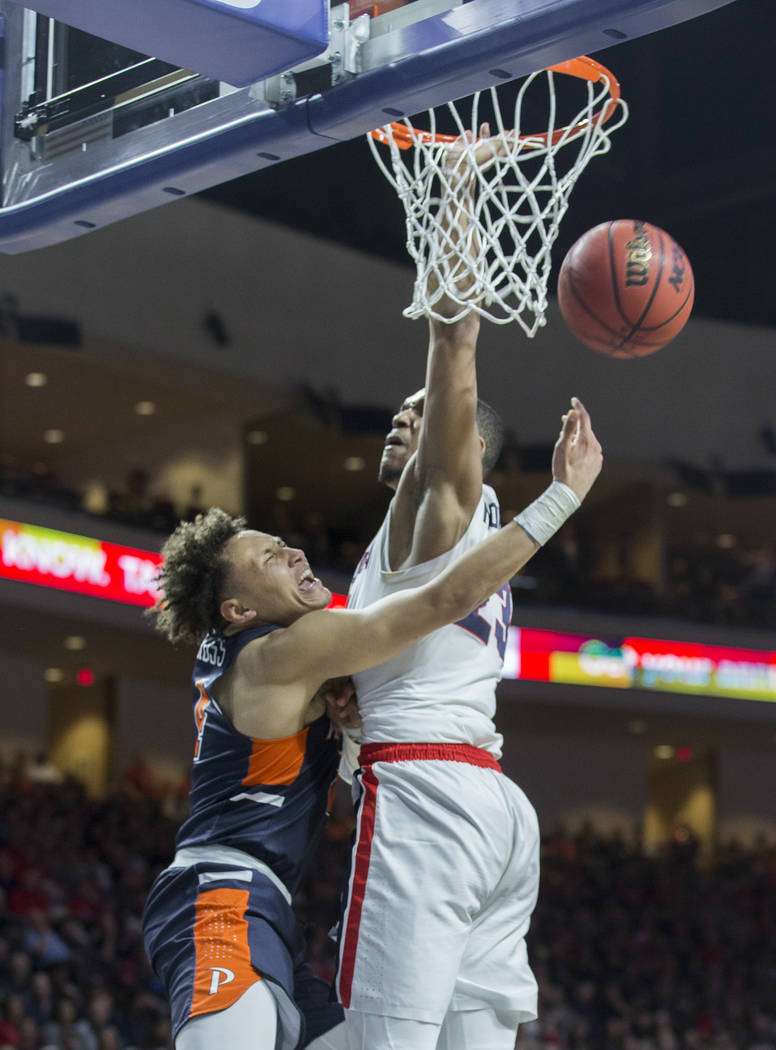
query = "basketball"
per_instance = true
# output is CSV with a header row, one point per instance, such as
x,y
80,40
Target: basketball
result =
x,y
625,288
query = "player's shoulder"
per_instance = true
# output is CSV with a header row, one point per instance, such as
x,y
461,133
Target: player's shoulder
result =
x,y
282,656
247,650
251,639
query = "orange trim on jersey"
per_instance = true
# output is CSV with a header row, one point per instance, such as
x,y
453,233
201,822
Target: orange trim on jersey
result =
x,y
276,761
223,968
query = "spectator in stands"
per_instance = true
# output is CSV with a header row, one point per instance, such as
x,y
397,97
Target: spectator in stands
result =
x,y
46,948
41,770
68,1029
139,779
40,1000
11,1019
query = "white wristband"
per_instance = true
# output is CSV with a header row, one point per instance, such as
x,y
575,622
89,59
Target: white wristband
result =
x,y
542,518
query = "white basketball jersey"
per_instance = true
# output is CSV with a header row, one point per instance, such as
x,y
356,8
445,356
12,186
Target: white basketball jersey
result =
x,y
441,688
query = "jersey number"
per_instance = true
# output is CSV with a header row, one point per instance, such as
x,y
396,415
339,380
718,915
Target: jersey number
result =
x,y
479,623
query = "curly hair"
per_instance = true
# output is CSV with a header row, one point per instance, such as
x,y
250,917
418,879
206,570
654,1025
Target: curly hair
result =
x,y
192,576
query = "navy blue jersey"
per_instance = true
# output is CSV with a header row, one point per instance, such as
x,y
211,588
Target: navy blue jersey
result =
x,y
267,798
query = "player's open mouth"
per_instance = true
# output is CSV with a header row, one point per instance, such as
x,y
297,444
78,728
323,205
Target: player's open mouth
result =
x,y
308,581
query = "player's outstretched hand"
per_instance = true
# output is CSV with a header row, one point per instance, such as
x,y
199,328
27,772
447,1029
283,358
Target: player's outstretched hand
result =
x,y
577,457
467,153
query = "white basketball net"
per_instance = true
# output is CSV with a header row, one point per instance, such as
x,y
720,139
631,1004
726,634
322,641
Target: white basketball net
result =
x,y
482,220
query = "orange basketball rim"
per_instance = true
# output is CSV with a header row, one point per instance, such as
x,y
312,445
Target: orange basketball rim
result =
x,y
584,68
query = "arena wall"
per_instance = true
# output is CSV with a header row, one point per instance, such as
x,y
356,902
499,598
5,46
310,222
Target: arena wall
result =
x,y
23,722
302,310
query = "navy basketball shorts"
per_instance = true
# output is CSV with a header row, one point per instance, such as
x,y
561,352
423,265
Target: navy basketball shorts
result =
x,y
212,930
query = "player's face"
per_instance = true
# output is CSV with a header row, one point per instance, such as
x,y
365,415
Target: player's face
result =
x,y
402,440
274,580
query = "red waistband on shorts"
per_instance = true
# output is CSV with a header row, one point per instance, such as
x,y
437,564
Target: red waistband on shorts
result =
x,y
473,756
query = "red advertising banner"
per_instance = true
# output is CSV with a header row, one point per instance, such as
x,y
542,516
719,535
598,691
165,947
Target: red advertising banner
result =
x,y
79,564
641,663
83,565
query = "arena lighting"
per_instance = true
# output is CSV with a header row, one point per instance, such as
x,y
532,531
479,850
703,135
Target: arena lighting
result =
x,y
676,499
354,463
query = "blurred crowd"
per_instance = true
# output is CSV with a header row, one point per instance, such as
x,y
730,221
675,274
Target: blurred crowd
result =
x,y
731,587
632,951
132,502
74,873
639,952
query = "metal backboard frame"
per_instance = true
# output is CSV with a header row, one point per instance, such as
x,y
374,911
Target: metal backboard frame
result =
x,y
374,70
238,41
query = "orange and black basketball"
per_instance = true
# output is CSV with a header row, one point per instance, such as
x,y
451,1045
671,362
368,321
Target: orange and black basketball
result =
x,y
626,288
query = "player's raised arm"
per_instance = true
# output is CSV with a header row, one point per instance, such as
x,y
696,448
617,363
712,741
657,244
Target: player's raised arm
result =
x,y
442,484
329,643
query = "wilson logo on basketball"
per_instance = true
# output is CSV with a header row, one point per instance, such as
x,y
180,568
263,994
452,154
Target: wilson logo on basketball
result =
x,y
638,255
676,280
625,288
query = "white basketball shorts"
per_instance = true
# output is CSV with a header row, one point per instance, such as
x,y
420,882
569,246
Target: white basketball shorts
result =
x,y
444,877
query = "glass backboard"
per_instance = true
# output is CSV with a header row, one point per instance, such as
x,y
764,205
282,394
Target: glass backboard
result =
x,y
94,131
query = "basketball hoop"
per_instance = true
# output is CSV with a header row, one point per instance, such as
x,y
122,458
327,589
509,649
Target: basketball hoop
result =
x,y
482,215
